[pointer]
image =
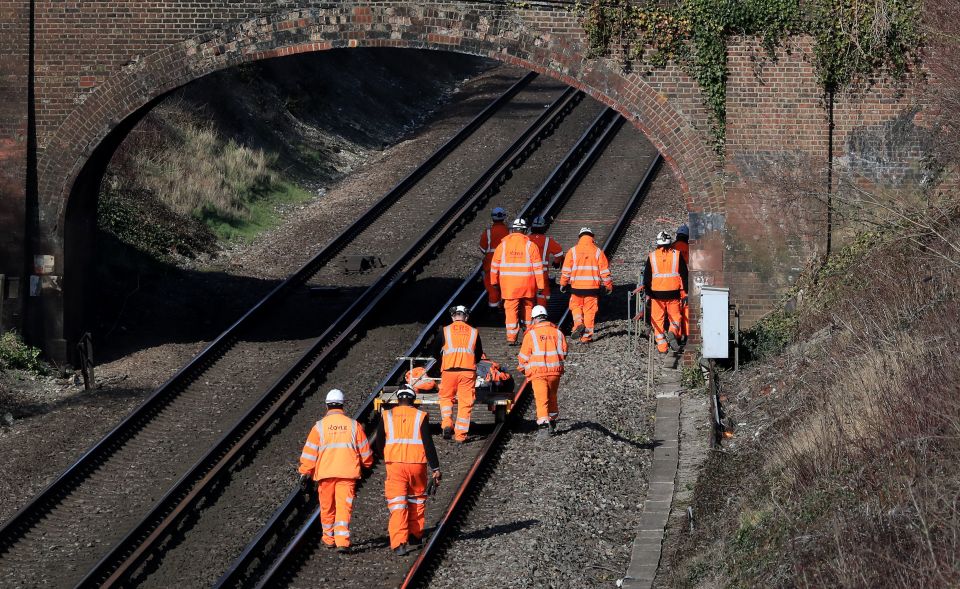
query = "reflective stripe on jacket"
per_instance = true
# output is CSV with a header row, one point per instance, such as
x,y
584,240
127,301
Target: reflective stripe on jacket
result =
x,y
335,448
585,266
403,441
517,267
459,346
665,270
543,351
489,240
550,250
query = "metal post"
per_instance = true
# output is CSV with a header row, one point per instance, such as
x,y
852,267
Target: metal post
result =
x,y
736,339
85,349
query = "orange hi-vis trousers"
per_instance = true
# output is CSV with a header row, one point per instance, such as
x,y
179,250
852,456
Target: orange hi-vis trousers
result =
x,y
660,313
406,493
545,393
493,293
460,384
584,310
511,308
336,506
544,298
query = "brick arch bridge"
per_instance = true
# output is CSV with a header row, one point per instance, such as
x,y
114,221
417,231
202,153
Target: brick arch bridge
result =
x,y
84,74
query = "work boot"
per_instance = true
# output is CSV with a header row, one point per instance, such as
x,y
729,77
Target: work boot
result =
x,y
543,431
447,433
331,545
586,339
553,428
672,342
513,342
402,550
576,331
343,549
414,540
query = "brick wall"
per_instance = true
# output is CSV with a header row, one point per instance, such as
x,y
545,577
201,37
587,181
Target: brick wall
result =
x,y
96,63
14,44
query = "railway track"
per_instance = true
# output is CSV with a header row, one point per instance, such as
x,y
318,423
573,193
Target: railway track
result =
x,y
153,435
233,479
301,561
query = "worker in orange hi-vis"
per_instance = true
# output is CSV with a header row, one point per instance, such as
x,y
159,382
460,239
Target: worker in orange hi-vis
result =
x,y
665,282
550,251
541,359
403,439
336,448
489,240
460,349
682,245
517,270
585,270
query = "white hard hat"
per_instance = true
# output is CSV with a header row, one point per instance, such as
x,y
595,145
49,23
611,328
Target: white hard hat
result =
x,y
585,231
498,214
519,225
538,311
663,238
459,309
406,392
335,397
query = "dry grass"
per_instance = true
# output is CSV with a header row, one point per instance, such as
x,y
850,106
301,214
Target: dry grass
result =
x,y
852,476
200,173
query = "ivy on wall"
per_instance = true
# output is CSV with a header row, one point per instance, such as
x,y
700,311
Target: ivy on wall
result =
x,y
855,40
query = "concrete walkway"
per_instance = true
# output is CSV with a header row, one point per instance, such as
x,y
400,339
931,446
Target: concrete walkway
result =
x,y
645,557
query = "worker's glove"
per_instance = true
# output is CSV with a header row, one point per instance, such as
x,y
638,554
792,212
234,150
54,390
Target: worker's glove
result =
x,y
564,288
304,481
539,292
683,300
609,290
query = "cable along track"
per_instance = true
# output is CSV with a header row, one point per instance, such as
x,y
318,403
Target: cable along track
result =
x,y
108,482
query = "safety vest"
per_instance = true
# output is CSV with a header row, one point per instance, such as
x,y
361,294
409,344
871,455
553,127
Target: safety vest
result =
x,y
550,250
665,269
517,267
335,448
489,240
543,351
684,248
459,346
585,266
403,442
418,379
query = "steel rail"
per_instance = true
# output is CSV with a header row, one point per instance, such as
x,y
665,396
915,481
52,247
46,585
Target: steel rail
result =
x,y
432,550
559,184
302,377
21,522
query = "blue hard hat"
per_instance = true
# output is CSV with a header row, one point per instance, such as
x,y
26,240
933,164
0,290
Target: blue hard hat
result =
x,y
683,230
498,214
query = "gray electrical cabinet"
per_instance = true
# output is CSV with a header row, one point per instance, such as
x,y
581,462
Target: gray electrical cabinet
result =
x,y
715,321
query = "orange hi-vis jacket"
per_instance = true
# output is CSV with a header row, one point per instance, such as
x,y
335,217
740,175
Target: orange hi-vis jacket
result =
x,y
403,441
335,448
665,270
684,248
585,267
550,249
489,240
459,347
517,267
543,351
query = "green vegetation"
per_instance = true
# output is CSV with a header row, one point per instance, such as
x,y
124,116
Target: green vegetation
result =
x,y
259,214
182,194
16,355
855,40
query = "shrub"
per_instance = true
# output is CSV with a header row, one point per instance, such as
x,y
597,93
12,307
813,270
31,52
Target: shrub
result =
x,y
16,355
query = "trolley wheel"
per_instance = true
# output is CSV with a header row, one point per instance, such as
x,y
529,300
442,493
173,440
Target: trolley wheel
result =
x,y
500,414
